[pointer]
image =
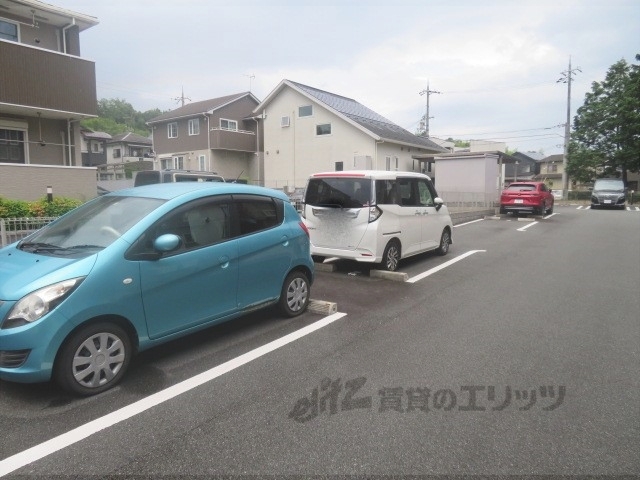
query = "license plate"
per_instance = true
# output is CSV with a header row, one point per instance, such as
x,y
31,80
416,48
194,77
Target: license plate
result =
x,y
518,200
607,201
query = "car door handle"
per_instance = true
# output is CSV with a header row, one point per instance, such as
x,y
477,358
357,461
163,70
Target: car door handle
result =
x,y
285,240
224,261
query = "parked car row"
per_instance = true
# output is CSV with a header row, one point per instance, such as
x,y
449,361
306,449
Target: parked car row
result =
x,y
138,267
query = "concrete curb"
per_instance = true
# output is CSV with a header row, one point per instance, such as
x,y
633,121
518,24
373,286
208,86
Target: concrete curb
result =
x,y
322,307
395,276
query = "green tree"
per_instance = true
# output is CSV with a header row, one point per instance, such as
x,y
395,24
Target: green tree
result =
x,y
606,137
117,116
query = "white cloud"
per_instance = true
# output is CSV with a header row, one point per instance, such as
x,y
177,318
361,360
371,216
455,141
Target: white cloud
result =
x,y
495,62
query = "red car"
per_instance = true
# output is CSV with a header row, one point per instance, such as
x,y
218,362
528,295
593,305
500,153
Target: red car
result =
x,y
527,197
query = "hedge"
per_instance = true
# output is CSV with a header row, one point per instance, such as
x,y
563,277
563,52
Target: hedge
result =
x,y
40,208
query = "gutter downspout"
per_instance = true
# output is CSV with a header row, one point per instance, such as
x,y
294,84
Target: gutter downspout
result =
x,y
64,34
376,142
209,165
69,121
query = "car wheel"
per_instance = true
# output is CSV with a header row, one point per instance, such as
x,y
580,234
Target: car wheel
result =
x,y
294,297
445,241
503,211
550,211
93,359
391,256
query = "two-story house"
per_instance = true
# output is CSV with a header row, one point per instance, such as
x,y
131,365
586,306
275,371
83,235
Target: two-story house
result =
x,y
46,88
550,171
217,135
525,167
94,148
307,130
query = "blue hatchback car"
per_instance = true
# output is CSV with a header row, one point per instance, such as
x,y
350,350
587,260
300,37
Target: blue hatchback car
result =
x,y
138,267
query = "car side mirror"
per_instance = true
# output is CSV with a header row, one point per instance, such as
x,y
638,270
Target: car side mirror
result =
x,y
167,243
439,202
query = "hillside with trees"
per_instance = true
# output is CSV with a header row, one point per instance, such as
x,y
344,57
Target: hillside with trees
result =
x,y
118,116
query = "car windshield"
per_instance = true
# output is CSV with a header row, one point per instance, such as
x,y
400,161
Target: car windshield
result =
x,y
90,227
614,185
339,192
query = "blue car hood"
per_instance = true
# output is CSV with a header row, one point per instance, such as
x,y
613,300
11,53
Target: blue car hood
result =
x,y
23,272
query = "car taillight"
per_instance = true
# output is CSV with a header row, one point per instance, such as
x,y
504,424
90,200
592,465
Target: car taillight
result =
x,y
304,227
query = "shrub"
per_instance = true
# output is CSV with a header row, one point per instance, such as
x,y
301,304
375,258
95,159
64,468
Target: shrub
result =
x,y
13,208
39,208
57,207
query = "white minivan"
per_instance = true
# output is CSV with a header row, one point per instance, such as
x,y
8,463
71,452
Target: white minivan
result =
x,y
375,216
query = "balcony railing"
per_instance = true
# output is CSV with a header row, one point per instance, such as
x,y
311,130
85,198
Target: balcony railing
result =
x,y
241,140
37,78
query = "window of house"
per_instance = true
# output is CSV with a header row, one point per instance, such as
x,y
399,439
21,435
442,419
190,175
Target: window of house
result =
x,y
8,30
323,129
202,163
339,166
285,121
12,146
305,111
226,124
387,163
194,126
166,163
94,147
172,130
178,163
117,153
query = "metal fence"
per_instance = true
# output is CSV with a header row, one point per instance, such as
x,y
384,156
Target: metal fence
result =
x,y
14,229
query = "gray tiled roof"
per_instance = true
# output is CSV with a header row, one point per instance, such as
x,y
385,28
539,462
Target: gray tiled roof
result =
x,y
196,108
368,119
95,135
130,138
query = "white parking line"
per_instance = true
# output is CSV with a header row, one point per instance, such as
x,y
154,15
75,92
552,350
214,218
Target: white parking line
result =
x,y
527,226
26,457
468,223
443,266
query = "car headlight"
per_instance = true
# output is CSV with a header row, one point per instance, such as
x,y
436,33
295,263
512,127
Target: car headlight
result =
x,y
37,304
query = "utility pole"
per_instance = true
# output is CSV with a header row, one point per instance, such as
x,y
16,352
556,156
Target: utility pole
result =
x,y
567,76
428,93
182,98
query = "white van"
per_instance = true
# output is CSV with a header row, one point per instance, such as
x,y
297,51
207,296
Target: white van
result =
x,y
375,216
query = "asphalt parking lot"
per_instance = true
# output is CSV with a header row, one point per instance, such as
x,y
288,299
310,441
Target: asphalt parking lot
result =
x,y
539,305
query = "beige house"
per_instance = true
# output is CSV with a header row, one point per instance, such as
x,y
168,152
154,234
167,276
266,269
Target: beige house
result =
x,y
307,130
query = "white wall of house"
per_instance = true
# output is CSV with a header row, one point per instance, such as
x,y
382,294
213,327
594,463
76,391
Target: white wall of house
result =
x,y
294,152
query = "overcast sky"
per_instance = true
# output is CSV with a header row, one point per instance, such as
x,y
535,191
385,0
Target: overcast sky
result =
x,y
495,63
